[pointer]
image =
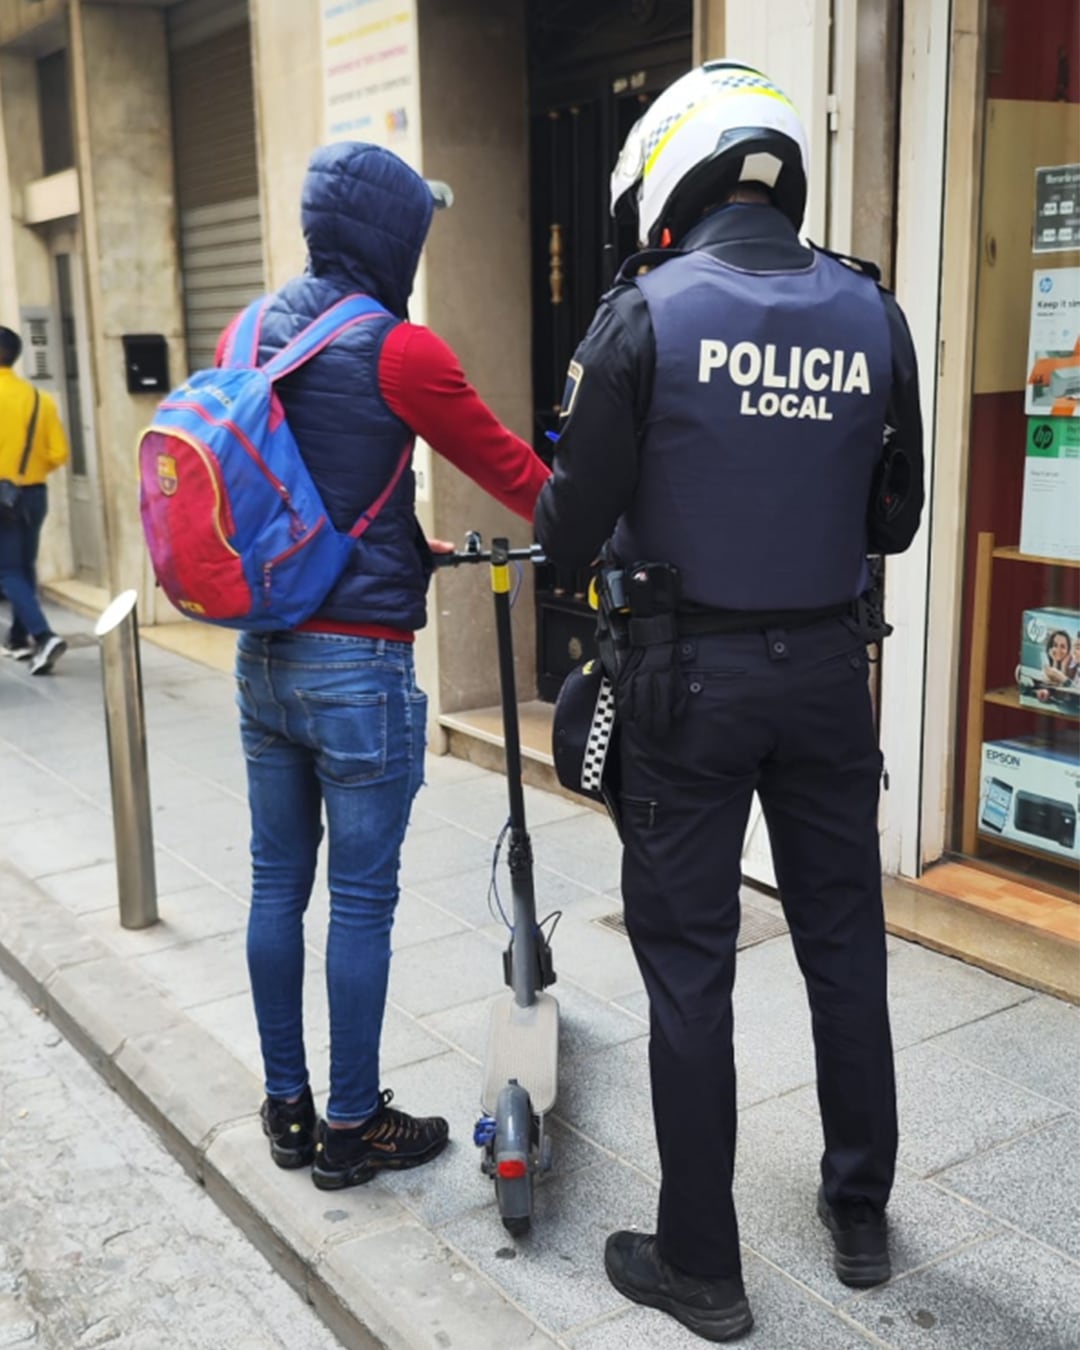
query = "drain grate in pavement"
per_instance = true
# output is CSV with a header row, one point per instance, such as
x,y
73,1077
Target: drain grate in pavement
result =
x,y
756,926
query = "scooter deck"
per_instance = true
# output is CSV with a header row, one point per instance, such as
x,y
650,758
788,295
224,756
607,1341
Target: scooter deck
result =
x,y
523,1043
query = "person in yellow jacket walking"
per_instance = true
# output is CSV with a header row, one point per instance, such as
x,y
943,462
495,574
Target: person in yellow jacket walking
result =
x,y
32,445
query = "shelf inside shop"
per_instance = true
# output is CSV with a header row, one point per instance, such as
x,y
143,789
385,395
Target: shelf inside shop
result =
x,y
1010,698
1012,554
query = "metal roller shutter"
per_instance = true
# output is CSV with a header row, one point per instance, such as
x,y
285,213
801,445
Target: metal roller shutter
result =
x,y
217,183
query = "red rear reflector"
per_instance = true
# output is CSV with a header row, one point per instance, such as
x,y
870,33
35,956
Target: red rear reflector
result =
x,y
511,1168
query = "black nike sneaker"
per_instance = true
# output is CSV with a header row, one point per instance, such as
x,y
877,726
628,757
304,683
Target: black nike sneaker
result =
x,y
290,1127
716,1310
389,1140
859,1234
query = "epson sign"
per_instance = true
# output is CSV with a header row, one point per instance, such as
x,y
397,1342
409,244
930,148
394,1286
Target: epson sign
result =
x,y
1005,757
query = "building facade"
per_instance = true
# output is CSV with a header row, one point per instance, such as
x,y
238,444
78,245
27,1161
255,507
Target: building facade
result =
x,y
150,163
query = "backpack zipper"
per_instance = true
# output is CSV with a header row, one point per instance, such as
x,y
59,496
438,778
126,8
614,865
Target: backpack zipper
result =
x,y
268,567
275,482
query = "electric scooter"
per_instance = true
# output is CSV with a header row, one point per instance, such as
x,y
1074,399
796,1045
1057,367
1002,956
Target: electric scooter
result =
x,y
521,1065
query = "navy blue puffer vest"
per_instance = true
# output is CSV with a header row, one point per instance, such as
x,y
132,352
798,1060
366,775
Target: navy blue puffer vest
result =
x,y
365,216
764,429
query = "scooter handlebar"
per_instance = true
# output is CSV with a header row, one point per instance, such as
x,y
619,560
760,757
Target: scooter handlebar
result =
x,y
499,553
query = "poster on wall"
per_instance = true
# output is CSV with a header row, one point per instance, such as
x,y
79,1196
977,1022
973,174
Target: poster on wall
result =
x,y
371,88
1057,209
1053,378
371,92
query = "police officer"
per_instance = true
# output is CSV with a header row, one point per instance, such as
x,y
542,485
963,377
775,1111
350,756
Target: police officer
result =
x,y
742,423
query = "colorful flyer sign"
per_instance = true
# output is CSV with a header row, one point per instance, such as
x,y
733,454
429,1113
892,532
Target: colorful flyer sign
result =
x,y
1057,209
1053,378
371,86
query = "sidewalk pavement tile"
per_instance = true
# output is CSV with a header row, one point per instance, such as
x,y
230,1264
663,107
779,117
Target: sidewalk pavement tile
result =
x,y
777,1173
203,971
84,890
31,793
80,772
415,921
580,850
443,852
774,1050
440,769
199,912
216,816
606,1096
1032,1183
586,1024
1035,1044
557,1270
786,1317
445,972
88,839
930,993
949,1110
1007,1293
482,805
418,1294
281,1211
465,894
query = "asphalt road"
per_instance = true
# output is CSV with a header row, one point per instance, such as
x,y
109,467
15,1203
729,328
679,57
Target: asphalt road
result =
x,y
104,1239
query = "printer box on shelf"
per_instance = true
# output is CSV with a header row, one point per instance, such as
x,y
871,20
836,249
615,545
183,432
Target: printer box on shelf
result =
x,y
1049,519
1048,676
1030,792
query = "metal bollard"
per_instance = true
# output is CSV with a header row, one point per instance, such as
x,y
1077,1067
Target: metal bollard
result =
x,y
118,633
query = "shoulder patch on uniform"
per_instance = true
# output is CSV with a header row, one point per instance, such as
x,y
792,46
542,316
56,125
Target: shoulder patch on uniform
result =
x,y
575,373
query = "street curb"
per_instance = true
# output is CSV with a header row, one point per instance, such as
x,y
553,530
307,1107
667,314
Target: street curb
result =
x,y
374,1274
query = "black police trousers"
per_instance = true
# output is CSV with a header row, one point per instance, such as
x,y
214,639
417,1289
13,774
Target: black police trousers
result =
x,y
787,713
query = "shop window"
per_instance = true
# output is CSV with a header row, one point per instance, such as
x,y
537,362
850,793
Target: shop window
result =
x,y
1019,753
54,101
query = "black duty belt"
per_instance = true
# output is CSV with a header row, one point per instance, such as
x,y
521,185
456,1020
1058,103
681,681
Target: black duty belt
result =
x,y
700,623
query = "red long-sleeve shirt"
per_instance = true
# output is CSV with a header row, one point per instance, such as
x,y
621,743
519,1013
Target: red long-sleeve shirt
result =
x,y
422,382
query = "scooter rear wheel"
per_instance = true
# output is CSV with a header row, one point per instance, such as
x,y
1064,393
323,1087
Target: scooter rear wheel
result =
x,y
513,1162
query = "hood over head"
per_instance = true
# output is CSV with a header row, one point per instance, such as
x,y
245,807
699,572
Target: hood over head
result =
x,y
365,215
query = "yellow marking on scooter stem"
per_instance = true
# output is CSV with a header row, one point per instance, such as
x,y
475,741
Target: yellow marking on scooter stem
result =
x,y
500,578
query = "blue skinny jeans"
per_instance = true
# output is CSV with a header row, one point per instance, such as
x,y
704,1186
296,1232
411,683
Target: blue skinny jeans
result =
x,y
337,725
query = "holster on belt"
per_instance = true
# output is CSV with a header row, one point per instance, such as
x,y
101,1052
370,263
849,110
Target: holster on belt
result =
x,y
868,611
649,689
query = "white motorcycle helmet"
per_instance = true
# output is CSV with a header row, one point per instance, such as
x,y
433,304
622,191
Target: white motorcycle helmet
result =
x,y
720,125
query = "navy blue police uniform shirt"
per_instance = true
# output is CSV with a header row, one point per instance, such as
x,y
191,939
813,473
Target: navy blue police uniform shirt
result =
x,y
609,391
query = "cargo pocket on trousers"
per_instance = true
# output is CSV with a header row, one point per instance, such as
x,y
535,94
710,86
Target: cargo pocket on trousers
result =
x,y
347,733
640,812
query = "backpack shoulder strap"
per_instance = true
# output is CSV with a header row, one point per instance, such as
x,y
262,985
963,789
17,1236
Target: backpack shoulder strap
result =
x,y
345,314
30,430
242,348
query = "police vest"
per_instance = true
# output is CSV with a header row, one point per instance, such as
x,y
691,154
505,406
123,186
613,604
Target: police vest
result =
x,y
764,429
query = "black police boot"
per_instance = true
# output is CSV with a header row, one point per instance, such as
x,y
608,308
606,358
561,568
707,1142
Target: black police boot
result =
x,y
861,1259
716,1310
388,1140
290,1127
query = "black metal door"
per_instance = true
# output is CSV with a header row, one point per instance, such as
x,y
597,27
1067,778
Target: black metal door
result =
x,y
593,70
